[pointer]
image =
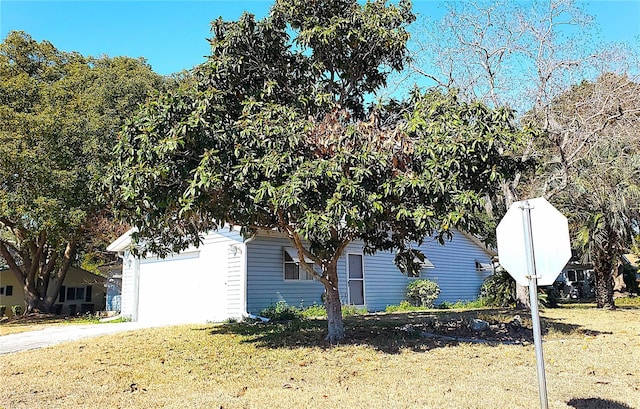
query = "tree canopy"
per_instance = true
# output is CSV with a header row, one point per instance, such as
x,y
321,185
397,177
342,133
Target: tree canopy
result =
x,y
59,115
276,133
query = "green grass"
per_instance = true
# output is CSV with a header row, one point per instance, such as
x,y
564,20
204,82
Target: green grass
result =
x,y
628,302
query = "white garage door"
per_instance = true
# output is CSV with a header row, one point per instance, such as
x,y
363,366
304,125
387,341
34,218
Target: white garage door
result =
x,y
187,288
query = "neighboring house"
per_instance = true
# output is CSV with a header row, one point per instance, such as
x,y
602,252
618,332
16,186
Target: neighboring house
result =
x,y
112,271
81,292
114,293
228,277
631,262
575,280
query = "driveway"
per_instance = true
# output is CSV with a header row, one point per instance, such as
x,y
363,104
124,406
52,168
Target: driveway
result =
x,y
62,333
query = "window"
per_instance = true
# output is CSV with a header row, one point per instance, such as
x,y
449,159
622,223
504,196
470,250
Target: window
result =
x,y
76,293
481,267
575,275
426,263
6,290
355,275
292,269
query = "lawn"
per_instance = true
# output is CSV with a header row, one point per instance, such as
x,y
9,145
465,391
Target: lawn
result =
x,y
592,360
36,322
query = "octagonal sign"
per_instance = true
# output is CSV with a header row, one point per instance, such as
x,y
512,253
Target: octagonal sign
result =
x,y
550,238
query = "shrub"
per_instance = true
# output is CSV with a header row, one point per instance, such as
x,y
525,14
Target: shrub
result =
x,y
548,297
3,310
16,310
445,305
499,289
423,292
281,311
314,311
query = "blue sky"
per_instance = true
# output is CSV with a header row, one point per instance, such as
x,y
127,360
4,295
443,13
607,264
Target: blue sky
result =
x,y
171,34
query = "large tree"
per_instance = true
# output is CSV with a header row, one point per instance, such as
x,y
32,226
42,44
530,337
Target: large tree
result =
x,y
59,115
276,134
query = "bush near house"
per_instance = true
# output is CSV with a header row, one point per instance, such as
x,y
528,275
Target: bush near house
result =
x,y
281,311
423,292
16,310
499,289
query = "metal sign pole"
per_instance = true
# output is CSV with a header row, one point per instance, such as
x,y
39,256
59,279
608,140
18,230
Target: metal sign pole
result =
x,y
533,297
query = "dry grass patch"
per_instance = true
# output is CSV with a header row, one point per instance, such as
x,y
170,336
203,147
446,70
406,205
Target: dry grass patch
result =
x,y
35,322
592,358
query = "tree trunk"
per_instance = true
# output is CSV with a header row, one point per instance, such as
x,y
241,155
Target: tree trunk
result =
x,y
55,280
522,297
604,290
40,287
603,268
334,306
510,197
33,302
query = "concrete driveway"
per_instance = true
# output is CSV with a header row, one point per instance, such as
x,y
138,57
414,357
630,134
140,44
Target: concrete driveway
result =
x,y
62,333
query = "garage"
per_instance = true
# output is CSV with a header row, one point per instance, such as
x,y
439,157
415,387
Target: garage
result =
x,y
185,288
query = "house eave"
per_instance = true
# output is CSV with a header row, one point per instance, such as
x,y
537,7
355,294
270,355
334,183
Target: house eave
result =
x,y
122,243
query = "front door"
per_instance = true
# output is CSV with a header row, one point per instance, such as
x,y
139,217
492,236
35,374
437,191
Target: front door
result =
x,y
355,282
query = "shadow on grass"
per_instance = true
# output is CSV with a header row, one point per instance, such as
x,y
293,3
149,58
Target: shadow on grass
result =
x,y
596,403
551,325
311,333
391,333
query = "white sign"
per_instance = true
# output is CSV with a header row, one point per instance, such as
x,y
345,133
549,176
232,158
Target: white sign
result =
x,y
550,236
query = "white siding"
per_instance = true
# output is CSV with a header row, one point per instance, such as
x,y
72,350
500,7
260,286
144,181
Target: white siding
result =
x,y
232,243
130,268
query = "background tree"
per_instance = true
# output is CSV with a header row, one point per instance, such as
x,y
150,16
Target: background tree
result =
x,y
276,135
528,55
602,197
59,115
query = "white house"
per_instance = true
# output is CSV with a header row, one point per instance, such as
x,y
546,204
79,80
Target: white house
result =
x,y
229,277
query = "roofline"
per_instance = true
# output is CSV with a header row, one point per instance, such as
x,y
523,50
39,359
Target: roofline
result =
x,y
477,241
122,243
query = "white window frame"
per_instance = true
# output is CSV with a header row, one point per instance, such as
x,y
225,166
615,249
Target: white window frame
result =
x,y
349,279
290,253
